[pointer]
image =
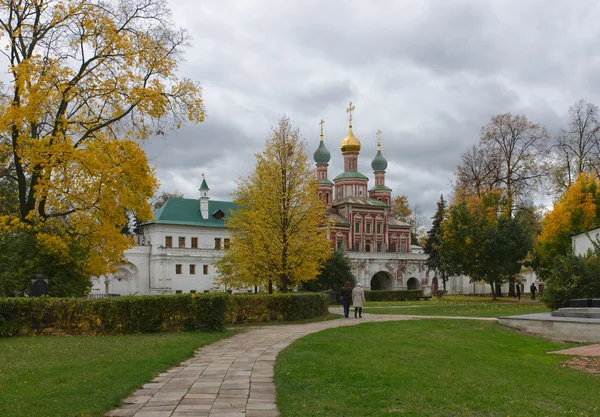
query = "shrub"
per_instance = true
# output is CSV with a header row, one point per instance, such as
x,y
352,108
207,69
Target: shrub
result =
x,y
128,314
256,308
572,276
440,293
393,295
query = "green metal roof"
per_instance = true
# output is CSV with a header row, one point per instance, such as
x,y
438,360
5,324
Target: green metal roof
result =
x,y
350,174
379,163
204,186
380,188
186,211
324,181
322,155
365,201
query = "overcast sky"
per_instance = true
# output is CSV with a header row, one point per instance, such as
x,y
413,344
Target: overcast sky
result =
x,y
429,74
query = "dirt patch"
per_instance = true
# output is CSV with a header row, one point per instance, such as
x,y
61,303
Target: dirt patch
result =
x,y
588,364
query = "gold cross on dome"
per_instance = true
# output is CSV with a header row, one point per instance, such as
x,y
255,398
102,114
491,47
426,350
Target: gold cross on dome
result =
x,y
321,123
349,110
378,139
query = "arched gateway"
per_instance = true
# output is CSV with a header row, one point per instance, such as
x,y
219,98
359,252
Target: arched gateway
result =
x,y
381,281
412,284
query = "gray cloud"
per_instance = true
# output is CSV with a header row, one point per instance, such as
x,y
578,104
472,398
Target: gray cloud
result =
x,y
429,74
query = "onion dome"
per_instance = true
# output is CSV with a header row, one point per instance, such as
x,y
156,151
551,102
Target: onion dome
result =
x,y
322,155
350,142
379,163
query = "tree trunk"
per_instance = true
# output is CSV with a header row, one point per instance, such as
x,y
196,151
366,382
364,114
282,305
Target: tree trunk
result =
x,y
493,291
498,289
255,289
444,279
511,287
270,287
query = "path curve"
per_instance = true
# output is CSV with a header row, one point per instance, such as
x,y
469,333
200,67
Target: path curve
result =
x,y
232,377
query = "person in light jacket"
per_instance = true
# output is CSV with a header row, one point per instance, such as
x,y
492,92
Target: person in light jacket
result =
x,y
358,300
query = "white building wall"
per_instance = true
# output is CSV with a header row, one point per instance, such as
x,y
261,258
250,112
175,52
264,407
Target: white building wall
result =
x,y
583,241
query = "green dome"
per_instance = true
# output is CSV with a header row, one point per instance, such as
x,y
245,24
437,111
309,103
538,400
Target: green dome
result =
x,y
379,163
322,155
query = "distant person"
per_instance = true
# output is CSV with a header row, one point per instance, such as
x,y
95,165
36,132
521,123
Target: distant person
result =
x,y
533,290
358,300
518,293
347,298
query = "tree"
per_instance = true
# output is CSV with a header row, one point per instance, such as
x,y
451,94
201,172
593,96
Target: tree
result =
x,y
434,240
577,146
401,208
278,230
522,149
416,219
576,210
482,240
334,275
159,200
21,258
571,276
88,81
479,172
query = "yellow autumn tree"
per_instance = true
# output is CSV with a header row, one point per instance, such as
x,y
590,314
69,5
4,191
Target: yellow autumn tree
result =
x,y
278,229
89,80
577,210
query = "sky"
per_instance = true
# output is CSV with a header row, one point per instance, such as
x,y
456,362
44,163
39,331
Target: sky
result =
x,y
428,74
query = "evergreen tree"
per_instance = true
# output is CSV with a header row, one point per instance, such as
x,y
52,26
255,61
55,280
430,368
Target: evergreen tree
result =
x,y
336,271
433,242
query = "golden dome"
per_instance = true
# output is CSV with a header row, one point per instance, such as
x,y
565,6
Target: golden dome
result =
x,y
350,143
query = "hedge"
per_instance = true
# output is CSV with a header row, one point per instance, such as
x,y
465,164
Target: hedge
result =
x,y
152,313
127,314
393,295
256,308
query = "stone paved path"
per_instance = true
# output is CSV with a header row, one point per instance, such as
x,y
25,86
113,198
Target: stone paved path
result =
x,y
233,377
589,350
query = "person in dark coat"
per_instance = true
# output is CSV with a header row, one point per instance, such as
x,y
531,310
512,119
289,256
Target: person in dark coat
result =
x,y
347,298
533,290
518,293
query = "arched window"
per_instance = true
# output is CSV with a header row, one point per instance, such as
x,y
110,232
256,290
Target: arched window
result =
x,y
368,247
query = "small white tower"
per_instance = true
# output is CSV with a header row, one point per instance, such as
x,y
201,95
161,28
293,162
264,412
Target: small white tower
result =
x,y
204,198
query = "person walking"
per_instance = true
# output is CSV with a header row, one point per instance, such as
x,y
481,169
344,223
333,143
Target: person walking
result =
x,y
533,290
358,300
518,293
347,298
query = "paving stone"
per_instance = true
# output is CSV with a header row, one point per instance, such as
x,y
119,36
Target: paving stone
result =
x,y
230,378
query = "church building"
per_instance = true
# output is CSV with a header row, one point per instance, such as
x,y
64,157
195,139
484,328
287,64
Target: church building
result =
x,y
363,225
175,252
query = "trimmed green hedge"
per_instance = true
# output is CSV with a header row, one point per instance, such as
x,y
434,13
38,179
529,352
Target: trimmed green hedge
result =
x,y
256,308
128,314
393,295
152,313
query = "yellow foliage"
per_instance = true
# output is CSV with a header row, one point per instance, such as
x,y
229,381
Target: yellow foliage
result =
x,y
85,90
278,230
575,211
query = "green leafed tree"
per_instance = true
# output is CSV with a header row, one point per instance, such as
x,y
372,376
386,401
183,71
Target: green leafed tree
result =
x,y
483,240
334,275
279,227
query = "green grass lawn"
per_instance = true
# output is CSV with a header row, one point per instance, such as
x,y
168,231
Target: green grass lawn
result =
x,y
85,375
457,306
430,368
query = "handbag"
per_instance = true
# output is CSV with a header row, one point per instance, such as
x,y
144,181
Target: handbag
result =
x,y
341,299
